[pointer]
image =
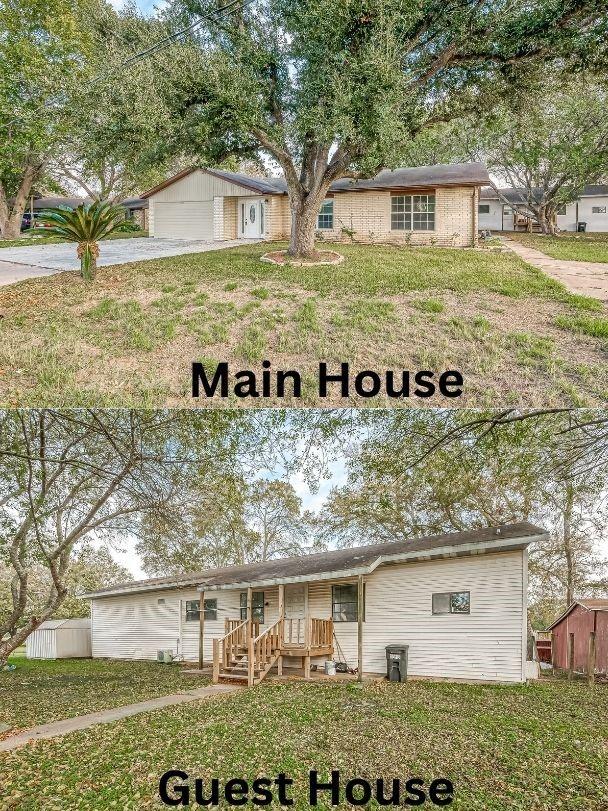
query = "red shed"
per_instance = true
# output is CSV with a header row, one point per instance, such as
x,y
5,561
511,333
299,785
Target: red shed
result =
x,y
580,619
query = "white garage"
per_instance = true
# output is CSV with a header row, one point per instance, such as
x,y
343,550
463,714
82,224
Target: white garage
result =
x,y
213,204
187,220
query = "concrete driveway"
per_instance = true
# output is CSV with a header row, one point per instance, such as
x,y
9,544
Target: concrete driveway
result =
x,y
41,260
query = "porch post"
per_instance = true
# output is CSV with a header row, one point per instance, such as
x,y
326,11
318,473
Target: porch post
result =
x,y
281,630
201,629
250,610
360,628
306,633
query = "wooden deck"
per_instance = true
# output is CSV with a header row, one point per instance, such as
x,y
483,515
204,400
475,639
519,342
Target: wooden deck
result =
x,y
245,654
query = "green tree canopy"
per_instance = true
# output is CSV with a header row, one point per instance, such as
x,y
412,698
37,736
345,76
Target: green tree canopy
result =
x,y
336,89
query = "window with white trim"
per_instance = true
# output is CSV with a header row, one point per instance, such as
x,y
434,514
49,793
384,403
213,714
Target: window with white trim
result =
x,y
598,209
413,212
483,208
452,602
257,606
325,220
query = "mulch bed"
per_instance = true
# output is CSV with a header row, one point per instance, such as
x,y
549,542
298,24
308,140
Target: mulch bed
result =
x,y
319,258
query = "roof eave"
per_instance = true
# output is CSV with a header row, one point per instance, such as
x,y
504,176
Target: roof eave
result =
x,y
443,553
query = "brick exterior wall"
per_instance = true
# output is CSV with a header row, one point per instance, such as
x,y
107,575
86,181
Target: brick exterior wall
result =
x,y
230,218
368,214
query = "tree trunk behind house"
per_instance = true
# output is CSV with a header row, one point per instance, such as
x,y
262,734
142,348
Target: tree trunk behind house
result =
x,y
11,217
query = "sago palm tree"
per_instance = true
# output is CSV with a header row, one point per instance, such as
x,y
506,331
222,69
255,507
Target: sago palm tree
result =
x,y
86,225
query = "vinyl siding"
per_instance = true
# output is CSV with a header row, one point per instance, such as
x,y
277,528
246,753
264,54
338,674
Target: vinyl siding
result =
x,y
487,644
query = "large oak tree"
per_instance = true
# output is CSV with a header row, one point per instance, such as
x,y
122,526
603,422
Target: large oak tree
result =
x,y
332,89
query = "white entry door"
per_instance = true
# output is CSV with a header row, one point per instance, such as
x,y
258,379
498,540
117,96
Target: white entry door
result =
x,y
251,216
295,601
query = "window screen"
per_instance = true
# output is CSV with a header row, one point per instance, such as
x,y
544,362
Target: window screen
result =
x,y
598,209
413,212
192,610
483,208
326,215
452,602
211,609
257,606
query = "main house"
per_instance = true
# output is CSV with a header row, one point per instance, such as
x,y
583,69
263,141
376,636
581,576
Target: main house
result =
x,y
506,211
457,600
424,205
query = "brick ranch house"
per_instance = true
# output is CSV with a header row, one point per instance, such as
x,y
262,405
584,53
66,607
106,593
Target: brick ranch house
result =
x,y
458,600
423,205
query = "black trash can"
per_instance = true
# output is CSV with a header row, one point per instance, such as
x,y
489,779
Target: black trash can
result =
x,y
396,662
581,227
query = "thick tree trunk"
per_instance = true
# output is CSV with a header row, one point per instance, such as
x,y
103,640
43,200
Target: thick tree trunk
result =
x,y
12,216
568,552
304,214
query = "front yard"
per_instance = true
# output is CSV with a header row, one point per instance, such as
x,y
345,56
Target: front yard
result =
x,y
591,247
537,748
518,337
40,691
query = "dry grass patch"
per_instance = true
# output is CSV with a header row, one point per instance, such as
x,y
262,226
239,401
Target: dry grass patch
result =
x,y
130,338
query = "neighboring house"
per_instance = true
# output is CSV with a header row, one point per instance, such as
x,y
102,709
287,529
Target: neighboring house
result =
x,y
497,215
425,205
135,208
458,600
579,620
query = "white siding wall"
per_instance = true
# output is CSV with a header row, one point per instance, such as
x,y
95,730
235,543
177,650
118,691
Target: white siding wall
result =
x,y
41,644
494,220
73,643
487,644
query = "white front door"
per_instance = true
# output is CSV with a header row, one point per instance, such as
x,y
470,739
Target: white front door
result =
x,y
251,217
295,601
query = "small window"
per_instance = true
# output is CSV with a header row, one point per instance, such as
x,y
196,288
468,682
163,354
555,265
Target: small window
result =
x,y
161,601
193,610
507,210
344,602
211,609
452,602
483,208
413,212
326,215
561,210
257,606
598,209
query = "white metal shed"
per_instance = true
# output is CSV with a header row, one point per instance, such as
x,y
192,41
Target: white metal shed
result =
x,y
60,639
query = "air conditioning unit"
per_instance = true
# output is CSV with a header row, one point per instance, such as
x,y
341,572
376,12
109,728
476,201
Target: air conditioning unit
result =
x,y
164,656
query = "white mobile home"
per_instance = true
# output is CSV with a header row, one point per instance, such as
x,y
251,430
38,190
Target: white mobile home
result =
x,y
503,212
457,600
60,639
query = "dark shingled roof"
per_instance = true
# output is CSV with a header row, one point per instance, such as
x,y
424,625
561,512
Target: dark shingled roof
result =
x,y
520,195
338,561
448,174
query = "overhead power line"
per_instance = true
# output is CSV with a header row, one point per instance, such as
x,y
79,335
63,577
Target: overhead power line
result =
x,y
215,16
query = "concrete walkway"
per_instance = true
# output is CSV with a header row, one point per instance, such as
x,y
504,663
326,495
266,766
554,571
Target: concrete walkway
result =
x,y
11,272
58,728
586,278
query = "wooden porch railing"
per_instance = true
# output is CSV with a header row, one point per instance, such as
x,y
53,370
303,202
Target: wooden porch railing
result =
x,y
264,650
230,625
226,648
320,633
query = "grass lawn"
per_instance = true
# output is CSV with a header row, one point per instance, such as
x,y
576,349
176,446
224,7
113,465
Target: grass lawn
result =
x,y
537,748
579,247
40,691
38,237
130,338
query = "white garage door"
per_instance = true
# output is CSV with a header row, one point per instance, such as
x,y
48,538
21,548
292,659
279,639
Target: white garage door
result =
x,y
184,220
